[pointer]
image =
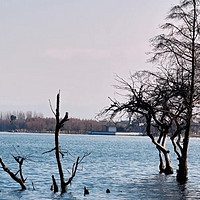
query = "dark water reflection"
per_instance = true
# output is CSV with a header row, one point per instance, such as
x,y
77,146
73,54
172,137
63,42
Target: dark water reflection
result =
x,y
162,187
125,165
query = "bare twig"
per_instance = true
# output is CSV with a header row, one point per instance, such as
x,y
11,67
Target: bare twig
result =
x,y
51,107
85,155
74,169
49,150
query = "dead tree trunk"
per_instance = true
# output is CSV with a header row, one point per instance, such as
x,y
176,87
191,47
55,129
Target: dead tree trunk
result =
x,y
54,186
59,125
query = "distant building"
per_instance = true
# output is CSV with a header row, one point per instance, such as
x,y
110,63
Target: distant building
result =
x,y
129,134
110,130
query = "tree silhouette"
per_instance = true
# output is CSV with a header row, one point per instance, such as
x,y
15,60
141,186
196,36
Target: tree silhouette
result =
x,y
179,49
59,124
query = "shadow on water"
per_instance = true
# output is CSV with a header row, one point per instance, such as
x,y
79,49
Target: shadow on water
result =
x,y
12,194
162,187
31,195
65,196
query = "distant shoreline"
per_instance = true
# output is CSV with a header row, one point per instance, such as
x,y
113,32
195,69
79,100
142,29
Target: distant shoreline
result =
x,y
78,133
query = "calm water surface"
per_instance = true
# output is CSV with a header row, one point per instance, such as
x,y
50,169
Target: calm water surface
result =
x,y
128,166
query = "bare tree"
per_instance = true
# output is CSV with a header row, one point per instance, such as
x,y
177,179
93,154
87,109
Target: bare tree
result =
x,y
145,98
179,49
59,153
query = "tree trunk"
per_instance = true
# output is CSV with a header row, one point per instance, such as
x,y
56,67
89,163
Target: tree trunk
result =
x,y
162,165
58,126
54,186
182,172
161,148
168,168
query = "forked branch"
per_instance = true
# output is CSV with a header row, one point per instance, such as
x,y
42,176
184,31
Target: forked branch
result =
x,y
20,180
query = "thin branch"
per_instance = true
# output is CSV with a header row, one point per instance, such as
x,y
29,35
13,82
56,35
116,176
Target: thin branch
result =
x,y
49,150
51,107
12,175
74,169
85,155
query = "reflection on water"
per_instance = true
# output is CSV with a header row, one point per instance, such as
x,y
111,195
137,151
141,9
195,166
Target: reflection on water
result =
x,y
162,187
127,166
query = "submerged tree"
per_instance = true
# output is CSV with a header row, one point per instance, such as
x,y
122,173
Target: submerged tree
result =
x,y
171,98
59,153
145,99
179,49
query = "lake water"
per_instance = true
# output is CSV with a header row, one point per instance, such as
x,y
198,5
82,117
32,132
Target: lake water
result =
x,y
128,166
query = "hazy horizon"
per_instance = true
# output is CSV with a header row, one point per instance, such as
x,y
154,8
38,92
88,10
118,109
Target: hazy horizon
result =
x,y
73,46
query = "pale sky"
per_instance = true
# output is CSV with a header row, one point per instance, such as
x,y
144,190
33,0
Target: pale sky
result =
x,y
76,46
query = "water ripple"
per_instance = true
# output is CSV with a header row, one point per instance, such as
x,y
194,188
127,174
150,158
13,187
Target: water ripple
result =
x,y
128,166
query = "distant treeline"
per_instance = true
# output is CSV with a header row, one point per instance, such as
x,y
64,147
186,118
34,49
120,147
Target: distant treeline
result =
x,y
35,122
